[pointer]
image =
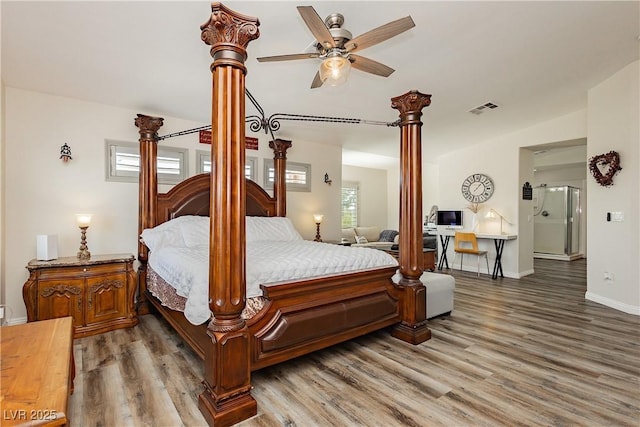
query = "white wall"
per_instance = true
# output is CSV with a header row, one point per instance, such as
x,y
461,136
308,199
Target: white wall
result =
x,y
43,193
323,199
614,246
509,168
430,190
372,184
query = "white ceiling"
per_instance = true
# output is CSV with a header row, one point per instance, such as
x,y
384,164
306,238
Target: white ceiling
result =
x,y
536,60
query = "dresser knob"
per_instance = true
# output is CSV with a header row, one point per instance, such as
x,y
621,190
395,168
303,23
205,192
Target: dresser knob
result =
x,y
84,269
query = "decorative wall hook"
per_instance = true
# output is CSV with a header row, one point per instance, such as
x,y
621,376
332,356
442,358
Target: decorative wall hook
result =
x,y
326,179
65,153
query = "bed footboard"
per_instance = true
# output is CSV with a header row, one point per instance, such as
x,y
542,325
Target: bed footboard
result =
x,y
346,305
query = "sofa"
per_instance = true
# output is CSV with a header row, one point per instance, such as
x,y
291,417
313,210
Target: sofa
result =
x,y
369,237
380,239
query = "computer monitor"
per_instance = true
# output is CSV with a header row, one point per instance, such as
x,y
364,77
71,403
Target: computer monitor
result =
x,y
450,219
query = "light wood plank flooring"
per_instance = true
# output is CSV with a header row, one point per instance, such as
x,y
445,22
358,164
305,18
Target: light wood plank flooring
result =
x,y
514,352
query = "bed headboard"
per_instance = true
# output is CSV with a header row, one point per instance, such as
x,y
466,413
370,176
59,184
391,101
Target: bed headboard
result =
x,y
191,197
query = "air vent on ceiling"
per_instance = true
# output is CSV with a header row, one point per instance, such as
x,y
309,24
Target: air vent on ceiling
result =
x,y
480,109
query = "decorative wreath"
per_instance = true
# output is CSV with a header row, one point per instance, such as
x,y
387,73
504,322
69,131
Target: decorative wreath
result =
x,y
604,166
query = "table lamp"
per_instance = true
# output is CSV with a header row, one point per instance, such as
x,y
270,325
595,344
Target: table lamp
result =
x,y
318,219
83,221
494,214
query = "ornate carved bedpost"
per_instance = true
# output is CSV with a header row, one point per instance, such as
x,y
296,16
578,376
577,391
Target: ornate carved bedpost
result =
x,y
147,195
226,398
413,327
280,147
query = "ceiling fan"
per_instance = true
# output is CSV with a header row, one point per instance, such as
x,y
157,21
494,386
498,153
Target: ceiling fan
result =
x,y
336,46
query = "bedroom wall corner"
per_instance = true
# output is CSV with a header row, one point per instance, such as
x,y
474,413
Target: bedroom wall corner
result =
x,y
43,193
324,198
372,184
614,125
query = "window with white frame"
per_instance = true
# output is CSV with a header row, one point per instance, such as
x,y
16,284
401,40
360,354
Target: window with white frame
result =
x,y
297,175
203,164
350,204
123,163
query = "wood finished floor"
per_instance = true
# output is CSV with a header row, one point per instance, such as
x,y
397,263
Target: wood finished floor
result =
x,y
514,352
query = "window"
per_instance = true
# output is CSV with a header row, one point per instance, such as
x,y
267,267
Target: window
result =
x,y
123,163
350,204
297,175
203,162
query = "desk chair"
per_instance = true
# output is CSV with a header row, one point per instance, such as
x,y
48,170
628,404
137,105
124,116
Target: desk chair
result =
x,y
466,243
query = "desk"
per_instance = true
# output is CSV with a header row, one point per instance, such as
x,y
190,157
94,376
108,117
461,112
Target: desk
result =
x,y
37,372
498,240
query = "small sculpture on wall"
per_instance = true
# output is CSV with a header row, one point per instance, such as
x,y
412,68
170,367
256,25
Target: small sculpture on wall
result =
x,y
65,153
604,166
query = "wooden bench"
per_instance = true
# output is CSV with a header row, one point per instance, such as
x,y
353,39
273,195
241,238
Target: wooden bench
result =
x,y
37,372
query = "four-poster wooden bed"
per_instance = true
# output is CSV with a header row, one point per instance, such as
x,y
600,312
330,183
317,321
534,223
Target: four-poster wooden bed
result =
x,y
346,305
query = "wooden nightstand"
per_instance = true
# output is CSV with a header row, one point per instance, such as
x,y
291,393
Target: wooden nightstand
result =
x,y
98,293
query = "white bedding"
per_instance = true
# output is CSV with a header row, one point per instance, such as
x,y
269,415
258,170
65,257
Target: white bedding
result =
x,y
187,268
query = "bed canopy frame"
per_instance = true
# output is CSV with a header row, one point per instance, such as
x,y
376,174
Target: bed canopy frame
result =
x,y
347,304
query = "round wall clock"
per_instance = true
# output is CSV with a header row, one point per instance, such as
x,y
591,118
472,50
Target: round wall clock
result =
x,y
477,188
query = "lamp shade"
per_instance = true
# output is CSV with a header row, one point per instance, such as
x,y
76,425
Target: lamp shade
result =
x,y
491,214
318,218
334,70
83,220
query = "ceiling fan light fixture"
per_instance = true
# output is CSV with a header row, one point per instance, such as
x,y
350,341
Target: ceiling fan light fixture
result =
x,y
334,70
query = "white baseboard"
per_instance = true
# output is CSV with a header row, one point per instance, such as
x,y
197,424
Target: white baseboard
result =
x,y
483,271
15,321
627,308
525,273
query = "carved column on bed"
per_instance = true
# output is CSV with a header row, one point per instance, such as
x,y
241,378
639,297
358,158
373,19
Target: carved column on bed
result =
x,y
413,327
280,147
147,196
227,398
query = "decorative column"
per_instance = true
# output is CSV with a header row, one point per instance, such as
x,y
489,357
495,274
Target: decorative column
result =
x,y
226,398
148,183
280,147
413,327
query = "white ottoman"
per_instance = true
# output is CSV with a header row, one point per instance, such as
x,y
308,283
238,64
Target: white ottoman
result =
x,y
440,289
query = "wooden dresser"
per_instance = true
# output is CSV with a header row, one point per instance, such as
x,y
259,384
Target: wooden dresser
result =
x,y
37,373
97,293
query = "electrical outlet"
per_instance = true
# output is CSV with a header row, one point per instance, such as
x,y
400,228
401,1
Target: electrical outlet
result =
x,y
608,276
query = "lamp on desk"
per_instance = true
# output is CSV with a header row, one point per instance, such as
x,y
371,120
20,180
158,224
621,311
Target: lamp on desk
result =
x,y
494,214
318,219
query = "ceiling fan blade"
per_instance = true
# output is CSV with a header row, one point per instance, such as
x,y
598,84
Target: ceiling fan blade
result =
x,y
316,81
316,26
370,66
380,34
288,57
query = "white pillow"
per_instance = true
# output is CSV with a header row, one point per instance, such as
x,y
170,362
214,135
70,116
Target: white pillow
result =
x,y
182,232
195,230
349,235
167,234
361,239
260,228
